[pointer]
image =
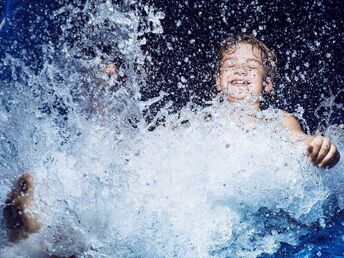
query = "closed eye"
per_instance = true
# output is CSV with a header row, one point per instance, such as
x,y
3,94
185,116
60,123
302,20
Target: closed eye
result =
x,y
253,64
250,63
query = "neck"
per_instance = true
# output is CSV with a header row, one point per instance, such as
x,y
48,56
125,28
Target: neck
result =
x,y
254,106
251,103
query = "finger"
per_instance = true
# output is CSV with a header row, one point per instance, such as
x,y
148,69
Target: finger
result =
x,y
330,157
309,149
324,149
316,143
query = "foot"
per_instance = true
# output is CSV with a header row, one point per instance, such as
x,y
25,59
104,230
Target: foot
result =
x,y
19,219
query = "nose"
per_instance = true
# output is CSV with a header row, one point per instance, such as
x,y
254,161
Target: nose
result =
x,y
240,69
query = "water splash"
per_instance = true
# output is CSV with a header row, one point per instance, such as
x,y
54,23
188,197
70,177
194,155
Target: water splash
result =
x,y
206,183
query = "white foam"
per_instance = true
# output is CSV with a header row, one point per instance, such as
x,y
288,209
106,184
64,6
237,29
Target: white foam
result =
x,y
229,185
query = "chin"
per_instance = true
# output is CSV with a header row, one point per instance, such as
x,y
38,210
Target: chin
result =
x,y
235,100
237,97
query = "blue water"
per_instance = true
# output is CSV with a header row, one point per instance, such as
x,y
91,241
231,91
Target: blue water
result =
x,y
320,242
30,28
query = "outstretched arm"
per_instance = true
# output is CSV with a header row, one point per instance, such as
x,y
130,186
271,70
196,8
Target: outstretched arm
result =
x,y
111,71
321,152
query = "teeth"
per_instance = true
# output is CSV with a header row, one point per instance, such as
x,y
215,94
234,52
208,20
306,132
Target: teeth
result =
x,y
239,82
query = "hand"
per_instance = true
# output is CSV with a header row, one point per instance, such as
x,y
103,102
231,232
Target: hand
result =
x,y
322,152
110,70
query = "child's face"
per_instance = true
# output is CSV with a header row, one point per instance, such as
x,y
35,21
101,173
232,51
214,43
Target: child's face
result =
x,y
242,73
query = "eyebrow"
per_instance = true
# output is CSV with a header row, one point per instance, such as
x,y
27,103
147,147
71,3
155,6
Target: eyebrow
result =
x,y
252,59
247,59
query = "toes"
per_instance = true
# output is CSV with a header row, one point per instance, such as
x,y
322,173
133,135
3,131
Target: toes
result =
x,y
24,184
22,192
20,221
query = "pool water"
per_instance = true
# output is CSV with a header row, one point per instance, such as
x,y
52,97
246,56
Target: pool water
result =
x,y
123,168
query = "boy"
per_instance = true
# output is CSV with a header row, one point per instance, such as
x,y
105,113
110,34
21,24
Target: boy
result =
x,y
245,72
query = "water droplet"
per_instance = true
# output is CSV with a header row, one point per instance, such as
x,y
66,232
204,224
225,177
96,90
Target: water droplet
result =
x,y
143,41
180,85
169,46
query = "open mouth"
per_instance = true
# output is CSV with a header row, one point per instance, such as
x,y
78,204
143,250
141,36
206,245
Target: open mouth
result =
x,y
239,82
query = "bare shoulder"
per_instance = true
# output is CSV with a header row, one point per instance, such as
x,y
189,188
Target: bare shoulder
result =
x,y
292,126
290,122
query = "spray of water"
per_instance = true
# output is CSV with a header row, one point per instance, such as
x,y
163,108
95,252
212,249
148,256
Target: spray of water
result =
x,y
222,181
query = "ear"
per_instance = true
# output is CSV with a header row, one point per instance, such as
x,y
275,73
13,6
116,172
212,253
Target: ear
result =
x,y
268,84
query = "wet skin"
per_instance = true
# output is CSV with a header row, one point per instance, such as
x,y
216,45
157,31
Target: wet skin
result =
x,y
19,219
242,75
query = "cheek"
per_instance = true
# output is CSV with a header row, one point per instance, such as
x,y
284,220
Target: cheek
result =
x,y
222,80
224,77
256,77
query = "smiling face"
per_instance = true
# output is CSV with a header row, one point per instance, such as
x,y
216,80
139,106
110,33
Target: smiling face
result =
x,y
241,73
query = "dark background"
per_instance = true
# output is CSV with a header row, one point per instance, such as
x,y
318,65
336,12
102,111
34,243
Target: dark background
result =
x,y
307,37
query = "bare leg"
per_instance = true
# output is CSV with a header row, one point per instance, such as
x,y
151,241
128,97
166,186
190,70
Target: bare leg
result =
x,y
18,218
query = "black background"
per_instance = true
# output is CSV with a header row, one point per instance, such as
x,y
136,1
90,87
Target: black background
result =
x,y
307,36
